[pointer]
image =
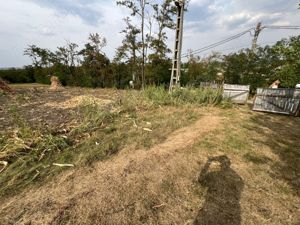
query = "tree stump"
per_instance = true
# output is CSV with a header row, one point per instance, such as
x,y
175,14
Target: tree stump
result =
x,y
55,83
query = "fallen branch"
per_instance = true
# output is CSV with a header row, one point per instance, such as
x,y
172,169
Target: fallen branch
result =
x,y
63,165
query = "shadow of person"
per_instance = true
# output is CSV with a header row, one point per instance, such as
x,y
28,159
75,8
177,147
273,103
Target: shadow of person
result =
x,y
222,203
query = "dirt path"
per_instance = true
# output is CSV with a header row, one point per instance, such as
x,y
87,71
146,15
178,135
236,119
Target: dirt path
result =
x,y
134,187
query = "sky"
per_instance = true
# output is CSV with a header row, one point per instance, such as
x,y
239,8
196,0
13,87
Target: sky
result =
x,y
51,23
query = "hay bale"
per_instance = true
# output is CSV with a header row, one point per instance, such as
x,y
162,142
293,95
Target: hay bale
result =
x,y
4,87
55,83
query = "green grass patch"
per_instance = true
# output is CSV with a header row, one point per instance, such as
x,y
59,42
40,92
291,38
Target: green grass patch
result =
x,y
102,131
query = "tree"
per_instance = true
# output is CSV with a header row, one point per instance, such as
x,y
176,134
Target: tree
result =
x,y
92,53
163,15
65,63
159,63
202,69
40,57
138,7
95,61
130,47
289,70
43,60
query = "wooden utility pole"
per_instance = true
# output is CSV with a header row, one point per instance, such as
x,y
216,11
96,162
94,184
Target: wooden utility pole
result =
x,y
258,29
176,67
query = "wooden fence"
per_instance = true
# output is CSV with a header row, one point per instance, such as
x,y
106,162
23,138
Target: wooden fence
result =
x,y
281,100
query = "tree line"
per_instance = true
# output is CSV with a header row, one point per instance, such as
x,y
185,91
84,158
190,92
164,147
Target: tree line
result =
x,y
259,69
144,57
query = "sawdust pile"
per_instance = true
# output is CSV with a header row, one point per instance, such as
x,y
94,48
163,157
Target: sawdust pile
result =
x,y
4,87
55,83
77,101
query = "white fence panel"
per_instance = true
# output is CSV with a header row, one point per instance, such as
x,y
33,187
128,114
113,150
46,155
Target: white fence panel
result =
x,y
237,93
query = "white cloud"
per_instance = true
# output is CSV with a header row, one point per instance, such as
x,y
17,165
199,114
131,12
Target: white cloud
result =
x,y
198,2
23,23
44,23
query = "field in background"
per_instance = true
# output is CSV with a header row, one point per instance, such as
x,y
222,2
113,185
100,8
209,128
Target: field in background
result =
x,y
28,85
141,158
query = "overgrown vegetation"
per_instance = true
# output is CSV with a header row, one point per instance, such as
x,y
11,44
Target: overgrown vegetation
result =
x,y
101,131
197,96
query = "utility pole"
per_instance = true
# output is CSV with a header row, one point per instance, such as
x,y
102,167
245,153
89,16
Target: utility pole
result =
x,y
176,66
258,29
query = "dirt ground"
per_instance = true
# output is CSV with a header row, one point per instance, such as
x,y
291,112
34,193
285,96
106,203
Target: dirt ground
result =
x,y
232,166
43,107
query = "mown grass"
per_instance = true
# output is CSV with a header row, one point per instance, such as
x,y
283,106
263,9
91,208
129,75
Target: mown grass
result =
x,y
265,143
137,119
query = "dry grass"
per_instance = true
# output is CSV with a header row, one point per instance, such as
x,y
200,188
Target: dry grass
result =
x,y
95,130
197,166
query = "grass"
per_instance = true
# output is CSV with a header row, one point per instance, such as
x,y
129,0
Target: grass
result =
x,y
101,132
256,158
195,96
163,188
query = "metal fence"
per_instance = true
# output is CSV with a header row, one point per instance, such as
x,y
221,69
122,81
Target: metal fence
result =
x,y
209,85
281,100
237,93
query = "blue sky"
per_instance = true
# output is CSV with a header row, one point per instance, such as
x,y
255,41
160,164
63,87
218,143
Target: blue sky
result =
x,y
50,23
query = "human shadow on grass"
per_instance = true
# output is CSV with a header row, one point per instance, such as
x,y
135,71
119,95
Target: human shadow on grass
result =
x,y
222,203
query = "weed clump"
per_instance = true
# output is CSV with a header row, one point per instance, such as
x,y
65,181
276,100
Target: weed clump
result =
x,y
157,95
200,96
184,96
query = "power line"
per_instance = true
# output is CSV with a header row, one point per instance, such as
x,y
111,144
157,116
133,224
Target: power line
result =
x,y
282,27
218,43
242,47
248,45
203,49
